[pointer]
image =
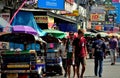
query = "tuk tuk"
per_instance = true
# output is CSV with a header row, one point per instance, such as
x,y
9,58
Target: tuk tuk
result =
x,y
52,60
21,60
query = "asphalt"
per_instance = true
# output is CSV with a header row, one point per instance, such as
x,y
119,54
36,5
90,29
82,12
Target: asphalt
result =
x,y
109,71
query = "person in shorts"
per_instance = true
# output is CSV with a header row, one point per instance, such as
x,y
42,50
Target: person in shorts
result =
x,y
69,49
80,53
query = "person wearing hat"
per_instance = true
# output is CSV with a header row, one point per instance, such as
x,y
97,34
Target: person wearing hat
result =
x,y
98,50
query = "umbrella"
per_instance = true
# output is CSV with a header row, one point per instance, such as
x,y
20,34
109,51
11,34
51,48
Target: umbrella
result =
x,y
4,23
103,34
24,29
89,34
55,33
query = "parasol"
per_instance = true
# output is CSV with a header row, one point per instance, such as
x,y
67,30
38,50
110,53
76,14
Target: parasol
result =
x,y
24,29
55,33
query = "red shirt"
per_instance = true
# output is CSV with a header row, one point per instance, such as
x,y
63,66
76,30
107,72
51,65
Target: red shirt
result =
x,y
82,44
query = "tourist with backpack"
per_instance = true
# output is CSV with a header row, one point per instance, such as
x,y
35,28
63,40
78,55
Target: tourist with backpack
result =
x,y
98,50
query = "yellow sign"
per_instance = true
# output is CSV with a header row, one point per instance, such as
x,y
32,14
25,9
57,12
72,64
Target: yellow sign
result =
x,y
41,19
18,66
110,8
75,13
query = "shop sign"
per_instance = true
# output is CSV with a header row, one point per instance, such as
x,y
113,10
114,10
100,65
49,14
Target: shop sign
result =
x,y
108,28
98,9
74,13
68,7
98,27
109,8
41,19
51,4
6,16
116,29
18,66
70,1
50,22
116,1
97,17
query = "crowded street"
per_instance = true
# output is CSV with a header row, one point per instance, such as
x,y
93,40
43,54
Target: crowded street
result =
x,y
59,38
108,70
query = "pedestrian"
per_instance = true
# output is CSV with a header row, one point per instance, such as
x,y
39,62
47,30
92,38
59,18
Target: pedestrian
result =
x,y
113,45
63,54
119,46
98,50
69,49
80,53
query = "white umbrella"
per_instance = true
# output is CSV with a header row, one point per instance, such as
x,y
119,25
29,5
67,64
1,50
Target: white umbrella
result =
x,y
103,34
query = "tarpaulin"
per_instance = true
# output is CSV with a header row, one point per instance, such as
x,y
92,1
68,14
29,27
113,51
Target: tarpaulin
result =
x,y
27,18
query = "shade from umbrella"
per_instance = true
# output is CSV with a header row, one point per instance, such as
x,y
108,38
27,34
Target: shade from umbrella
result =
x,y
17,38
50,39
55,33
24,29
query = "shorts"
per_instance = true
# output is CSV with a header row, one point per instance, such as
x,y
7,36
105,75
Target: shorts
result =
x,y
69,61
79,60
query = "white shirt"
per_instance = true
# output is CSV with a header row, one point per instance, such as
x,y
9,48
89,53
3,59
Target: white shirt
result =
x,y
63,48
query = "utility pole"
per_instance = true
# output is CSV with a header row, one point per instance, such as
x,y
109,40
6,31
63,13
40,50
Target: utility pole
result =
x,y
77,17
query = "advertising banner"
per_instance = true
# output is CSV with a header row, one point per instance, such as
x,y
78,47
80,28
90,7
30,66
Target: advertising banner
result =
x,y
98,27
51,4
70,1
41,19
97,17
116,1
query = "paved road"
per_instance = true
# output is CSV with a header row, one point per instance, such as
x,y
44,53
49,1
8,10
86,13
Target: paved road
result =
x,y
108,72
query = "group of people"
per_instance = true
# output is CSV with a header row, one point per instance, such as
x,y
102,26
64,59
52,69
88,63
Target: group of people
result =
x,y
74,50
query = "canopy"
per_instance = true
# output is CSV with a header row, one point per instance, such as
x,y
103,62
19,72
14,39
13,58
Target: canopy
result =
x,y
20,38
55,33
50,39
103,34
24,29
89,34
27,18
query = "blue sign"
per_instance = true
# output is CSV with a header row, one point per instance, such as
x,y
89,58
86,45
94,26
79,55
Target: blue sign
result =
x,y
51,4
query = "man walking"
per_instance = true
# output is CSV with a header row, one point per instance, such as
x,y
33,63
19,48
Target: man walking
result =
x,y
98,50
80,53
113,44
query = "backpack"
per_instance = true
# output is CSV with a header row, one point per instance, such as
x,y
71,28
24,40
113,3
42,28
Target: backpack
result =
x,y
100,48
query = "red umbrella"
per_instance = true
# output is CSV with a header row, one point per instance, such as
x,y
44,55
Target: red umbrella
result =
x,y
24,29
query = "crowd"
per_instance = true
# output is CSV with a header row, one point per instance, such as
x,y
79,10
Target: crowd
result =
x,y
74,52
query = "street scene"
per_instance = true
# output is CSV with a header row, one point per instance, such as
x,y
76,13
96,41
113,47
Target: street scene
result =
x,y
108,71
59,38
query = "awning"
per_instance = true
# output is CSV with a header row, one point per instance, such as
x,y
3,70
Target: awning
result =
x,y
60,17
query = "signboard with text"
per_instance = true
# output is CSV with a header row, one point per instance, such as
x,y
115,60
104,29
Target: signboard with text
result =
x,y
51,4
97,17
41,19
